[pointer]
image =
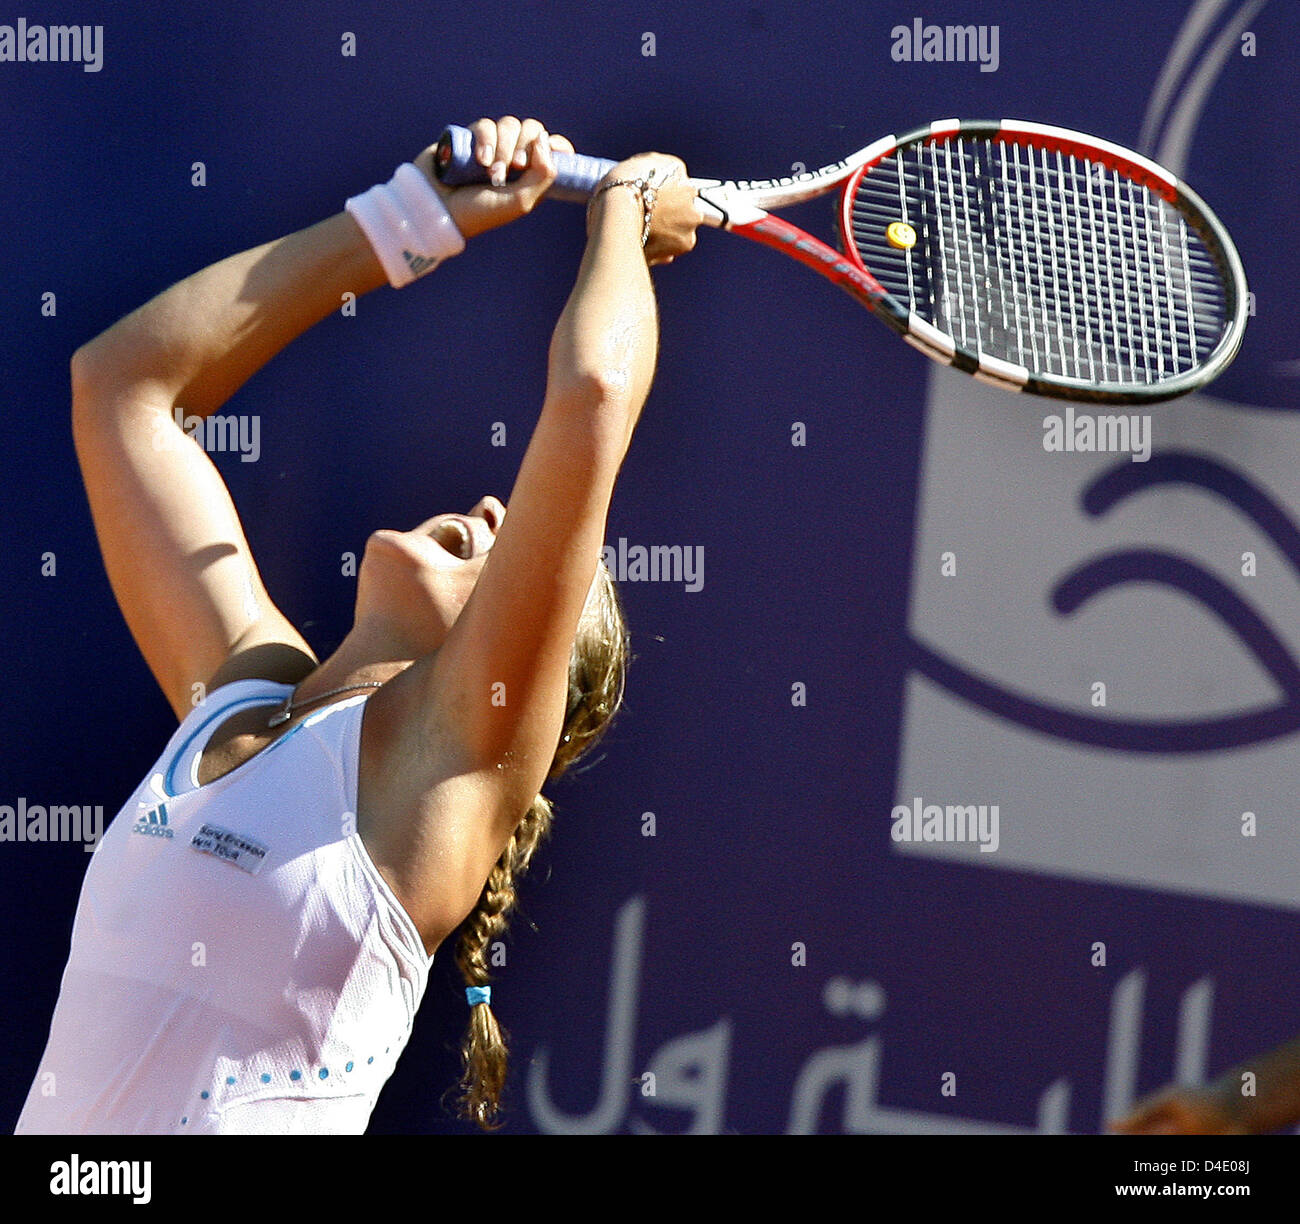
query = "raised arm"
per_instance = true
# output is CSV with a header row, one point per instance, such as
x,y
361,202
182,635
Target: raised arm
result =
x,y
172,543
481,718
518,628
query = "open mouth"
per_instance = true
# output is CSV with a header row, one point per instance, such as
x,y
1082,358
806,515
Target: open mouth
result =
x,y
454,535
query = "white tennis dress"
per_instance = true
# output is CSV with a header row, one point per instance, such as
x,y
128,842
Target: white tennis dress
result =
x,y
238,964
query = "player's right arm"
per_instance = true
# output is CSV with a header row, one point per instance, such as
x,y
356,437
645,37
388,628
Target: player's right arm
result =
x,y
175,551
172,543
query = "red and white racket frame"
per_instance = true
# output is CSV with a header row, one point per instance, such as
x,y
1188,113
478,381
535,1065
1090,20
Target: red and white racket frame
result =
x,y
741,206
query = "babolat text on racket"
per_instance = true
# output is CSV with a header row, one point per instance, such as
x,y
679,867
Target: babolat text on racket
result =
x,y
1035,258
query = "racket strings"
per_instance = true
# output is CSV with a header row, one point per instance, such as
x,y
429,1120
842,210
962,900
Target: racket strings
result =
x,y
1043,259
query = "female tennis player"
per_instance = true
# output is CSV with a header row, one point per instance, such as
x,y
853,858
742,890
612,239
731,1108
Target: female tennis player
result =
x,y
254,933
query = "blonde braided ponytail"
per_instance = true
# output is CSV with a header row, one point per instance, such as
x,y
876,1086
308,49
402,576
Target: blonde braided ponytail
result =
x,y
596,673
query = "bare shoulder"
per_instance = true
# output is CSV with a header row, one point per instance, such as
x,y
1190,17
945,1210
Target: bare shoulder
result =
x,y
279,662
430,822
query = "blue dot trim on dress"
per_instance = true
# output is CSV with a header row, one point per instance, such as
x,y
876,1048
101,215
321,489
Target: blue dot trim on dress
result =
x,y
295,1075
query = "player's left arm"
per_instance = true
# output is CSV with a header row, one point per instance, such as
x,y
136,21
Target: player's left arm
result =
x,y
471,730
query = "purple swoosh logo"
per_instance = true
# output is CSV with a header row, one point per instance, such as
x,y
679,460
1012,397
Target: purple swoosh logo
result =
x,y
1167,569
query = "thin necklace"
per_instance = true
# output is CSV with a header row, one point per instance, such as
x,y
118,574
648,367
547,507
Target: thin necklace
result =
x,y
286,711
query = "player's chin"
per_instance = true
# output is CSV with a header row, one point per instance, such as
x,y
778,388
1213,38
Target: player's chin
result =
x,y
386,540
413,549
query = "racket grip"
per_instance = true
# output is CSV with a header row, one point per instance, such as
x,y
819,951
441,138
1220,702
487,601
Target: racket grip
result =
x,y
575,180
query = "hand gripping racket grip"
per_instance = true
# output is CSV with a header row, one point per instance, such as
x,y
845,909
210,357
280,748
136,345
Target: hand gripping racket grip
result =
x,y
576,178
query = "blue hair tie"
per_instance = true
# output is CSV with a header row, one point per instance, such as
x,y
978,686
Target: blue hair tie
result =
x,y
474,995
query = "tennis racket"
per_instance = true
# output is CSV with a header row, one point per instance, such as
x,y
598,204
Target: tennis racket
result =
x,y
1034,258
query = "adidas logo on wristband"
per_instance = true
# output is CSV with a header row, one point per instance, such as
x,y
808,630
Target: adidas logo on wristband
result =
x,y
407,209
419,264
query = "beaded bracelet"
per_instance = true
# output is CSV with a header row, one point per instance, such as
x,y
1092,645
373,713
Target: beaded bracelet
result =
x,y
644,187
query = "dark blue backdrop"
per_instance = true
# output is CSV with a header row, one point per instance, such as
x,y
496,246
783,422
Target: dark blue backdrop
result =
x,y
677,955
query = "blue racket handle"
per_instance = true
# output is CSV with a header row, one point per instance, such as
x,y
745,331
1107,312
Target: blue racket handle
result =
x,y
576,178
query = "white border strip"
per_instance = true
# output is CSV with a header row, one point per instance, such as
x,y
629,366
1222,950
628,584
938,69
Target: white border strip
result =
x,y
1003,373
811,183
929,339
1105,146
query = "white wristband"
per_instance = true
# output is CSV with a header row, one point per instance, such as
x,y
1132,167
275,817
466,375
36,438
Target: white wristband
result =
x,y
407,224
